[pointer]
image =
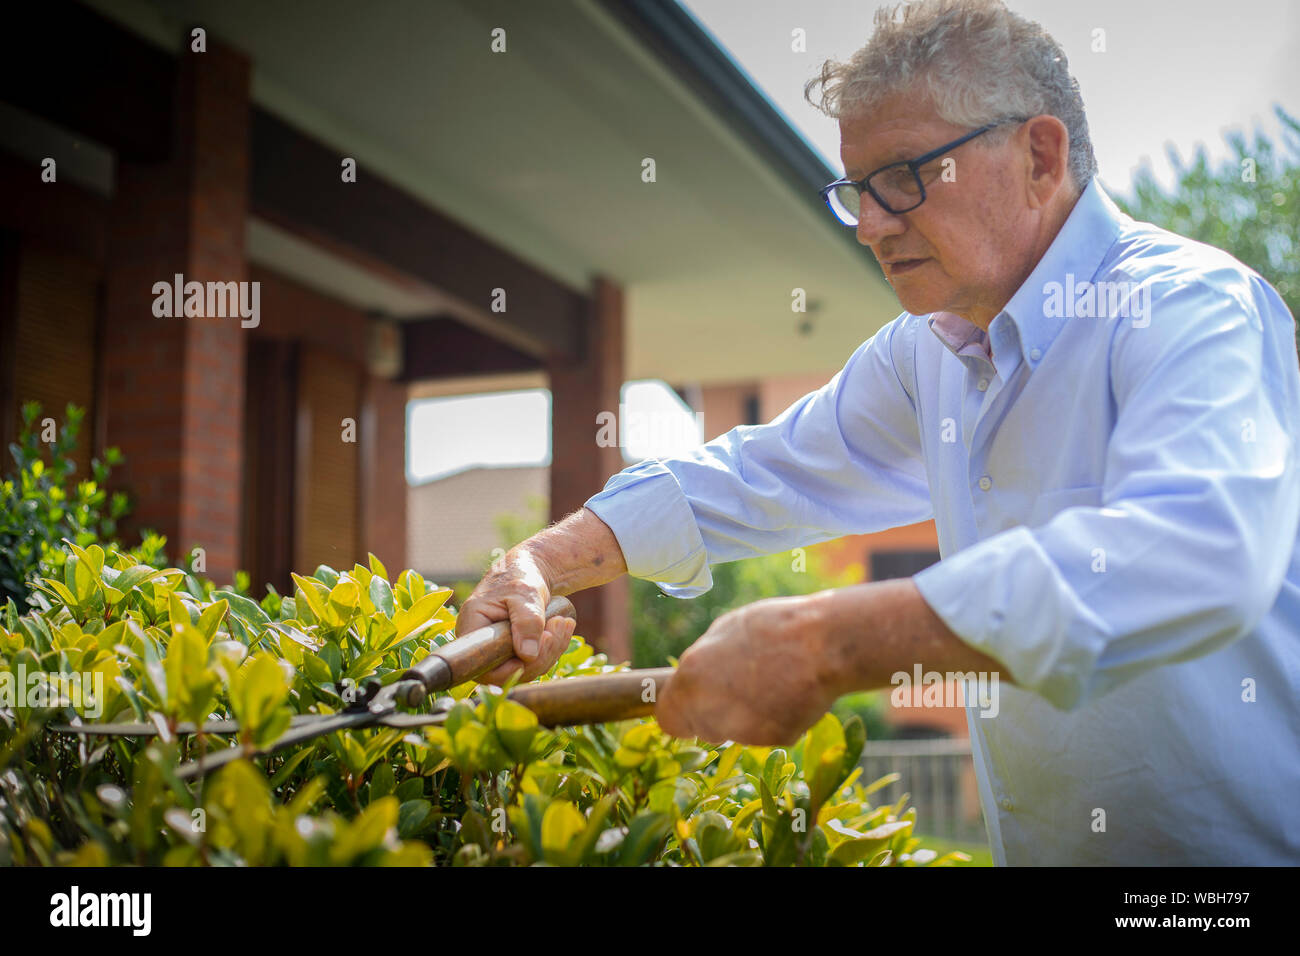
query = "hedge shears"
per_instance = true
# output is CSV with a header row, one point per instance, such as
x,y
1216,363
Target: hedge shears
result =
x,y
566,702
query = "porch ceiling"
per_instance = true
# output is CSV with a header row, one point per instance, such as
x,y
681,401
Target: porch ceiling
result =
x,y
540,150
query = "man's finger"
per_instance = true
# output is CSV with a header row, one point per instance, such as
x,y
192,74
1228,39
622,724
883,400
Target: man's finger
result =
x,y
527,625
473,615
561,629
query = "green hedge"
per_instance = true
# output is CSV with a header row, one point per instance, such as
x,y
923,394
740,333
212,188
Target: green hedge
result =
x,y
490,787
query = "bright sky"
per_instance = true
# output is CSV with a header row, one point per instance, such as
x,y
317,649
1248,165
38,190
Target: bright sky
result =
x,y
1173,72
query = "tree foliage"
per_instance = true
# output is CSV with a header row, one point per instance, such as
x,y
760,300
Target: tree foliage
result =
x,y
1248,204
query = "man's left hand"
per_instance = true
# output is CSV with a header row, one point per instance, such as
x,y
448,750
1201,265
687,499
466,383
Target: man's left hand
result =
x,y
756,676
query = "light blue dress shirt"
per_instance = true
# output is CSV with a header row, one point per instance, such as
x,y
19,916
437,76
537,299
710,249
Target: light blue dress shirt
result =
x,y
1117,501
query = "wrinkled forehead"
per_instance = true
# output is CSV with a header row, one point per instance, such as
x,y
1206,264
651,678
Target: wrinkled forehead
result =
x,y
897,128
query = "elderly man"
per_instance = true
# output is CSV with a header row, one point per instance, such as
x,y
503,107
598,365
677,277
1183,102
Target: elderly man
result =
x,y
1100,417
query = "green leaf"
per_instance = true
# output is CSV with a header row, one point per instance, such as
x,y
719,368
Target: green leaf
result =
x,y
823,760
515,726
363,665
191,683
210,619
381,782
326,575
84,577
381,592
285,773
62,592
411,789
316,597
855,739
421,611
344,596
243,607
776,770
257,690
644,835
366,832
411,817
130,579
333,659
316,668
562,824
858,846
178,613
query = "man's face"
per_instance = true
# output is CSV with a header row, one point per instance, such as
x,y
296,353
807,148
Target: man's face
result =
x,y
963,250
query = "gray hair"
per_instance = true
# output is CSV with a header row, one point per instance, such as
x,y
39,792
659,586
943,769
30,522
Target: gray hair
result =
x,y
978,61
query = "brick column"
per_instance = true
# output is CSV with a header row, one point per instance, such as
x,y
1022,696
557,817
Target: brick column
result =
x,y
174,387
579,467
383,472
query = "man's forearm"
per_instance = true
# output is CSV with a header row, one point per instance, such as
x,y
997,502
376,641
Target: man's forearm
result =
x,y
577,553
869,632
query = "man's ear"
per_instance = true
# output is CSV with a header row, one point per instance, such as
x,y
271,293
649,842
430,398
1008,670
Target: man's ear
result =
x,y
1047,156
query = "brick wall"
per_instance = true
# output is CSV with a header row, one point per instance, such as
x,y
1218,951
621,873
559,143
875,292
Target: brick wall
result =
x,y
174,386
579,467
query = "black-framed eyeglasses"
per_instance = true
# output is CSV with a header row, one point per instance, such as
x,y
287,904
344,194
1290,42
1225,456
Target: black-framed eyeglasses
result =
x,y
898,187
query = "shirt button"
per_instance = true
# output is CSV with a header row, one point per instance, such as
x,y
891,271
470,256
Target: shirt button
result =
x,y
983,384
986,483
1035,354
1006,803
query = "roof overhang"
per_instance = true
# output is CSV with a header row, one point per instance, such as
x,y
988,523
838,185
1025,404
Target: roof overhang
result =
x,y
540,150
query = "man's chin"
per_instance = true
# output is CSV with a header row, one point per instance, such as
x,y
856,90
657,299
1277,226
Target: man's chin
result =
x,y
917,302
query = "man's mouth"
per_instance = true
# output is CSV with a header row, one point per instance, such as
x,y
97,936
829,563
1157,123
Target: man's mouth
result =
x,y
897,267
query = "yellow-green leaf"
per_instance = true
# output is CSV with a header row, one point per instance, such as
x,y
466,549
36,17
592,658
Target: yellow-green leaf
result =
x,y
210,620
421,611
561,825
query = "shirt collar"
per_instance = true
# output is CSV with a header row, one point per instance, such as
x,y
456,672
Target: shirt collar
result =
x,y
1076,252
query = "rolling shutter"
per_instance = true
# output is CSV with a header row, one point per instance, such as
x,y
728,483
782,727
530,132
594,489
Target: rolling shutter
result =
x,y
328,468
55,341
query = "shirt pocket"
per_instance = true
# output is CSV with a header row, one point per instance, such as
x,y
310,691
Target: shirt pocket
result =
x,y
1051,503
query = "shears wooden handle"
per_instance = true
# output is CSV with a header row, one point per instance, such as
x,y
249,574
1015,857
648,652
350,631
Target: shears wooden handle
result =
x,y
467,657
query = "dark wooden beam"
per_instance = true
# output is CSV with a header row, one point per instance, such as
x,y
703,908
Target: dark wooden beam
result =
x,y
270,436
69,65
446,348
10,250
296,184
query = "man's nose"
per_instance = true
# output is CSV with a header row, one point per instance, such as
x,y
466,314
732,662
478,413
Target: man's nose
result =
x,y
874,223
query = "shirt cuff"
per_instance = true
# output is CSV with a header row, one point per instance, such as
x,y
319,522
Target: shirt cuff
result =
x,y
656,530
1005,597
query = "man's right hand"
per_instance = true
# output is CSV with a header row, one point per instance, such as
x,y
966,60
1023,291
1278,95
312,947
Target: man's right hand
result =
x,y
517,589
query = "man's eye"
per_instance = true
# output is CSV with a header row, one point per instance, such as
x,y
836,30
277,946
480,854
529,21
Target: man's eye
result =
x,y
898,179
931,170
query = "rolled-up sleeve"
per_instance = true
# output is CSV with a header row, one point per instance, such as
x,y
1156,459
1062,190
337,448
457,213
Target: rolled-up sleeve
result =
x,y
843,459
1198,517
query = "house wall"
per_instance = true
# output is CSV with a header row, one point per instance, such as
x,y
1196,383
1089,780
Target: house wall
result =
x,y
175,386
348,452
77,271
